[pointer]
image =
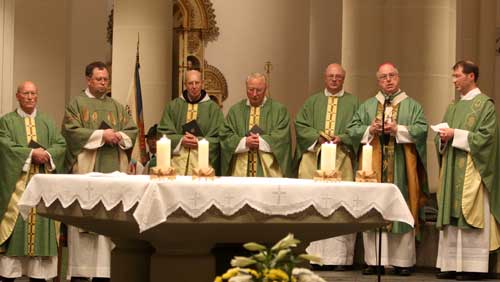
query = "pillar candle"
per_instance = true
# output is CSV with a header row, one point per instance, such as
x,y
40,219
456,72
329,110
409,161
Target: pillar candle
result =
x,y
163,153
328,156
367,158
203,154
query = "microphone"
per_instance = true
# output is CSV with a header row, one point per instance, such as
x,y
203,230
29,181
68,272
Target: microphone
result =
x,y
385,137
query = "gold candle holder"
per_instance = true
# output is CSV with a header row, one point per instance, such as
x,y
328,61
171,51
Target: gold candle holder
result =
x,y
366,176
203,173
162,173
327,175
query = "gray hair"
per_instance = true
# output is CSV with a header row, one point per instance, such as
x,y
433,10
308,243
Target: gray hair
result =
x,y
256,75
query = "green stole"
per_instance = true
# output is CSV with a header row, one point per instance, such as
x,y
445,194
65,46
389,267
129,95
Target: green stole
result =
x,y
404,164
328,117
208,116
274,120
37,235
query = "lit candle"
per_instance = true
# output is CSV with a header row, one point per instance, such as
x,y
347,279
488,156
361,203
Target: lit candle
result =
x,y
328,156
163,153
367,158
203,154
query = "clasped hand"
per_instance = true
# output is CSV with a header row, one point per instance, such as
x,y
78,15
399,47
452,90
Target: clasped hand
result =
x,y
446,134
390,127
111,137
252,141
189,141
40,156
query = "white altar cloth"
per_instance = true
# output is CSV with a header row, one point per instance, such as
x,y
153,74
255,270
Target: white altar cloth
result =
x,y
157,199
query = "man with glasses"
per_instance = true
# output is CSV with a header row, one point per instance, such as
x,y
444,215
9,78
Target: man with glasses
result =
x,y
402,134
30,144
468,190
323,118
255,138
99,132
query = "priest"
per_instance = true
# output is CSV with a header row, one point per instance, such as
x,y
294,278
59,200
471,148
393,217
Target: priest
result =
x,y
188,119
99,132
255,138
323,118
30,144
397,122
468,190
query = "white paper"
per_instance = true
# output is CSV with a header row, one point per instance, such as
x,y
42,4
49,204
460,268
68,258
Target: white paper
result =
x,y
439,126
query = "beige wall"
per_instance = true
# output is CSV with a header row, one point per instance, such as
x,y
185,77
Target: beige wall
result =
x,y
152,21
298,37
7,12
417,36
54,40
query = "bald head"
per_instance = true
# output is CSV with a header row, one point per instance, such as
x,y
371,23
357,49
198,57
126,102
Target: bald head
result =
x,y
194,84
27,96
334,78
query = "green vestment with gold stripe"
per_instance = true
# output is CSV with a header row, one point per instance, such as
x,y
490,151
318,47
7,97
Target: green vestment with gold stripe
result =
x,y
35,236
274,119
312,120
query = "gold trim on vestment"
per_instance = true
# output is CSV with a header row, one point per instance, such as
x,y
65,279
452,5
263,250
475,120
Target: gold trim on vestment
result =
x,y
472,195
331,116
252,154
192,112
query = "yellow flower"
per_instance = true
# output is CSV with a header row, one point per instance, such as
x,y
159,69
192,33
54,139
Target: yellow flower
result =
x,y
218,279
230,273
277,275
253,272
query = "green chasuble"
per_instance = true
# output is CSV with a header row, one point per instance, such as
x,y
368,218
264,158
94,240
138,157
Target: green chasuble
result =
x,y
404,164
35,236
209,118
463,174
313,119
274,120
83,116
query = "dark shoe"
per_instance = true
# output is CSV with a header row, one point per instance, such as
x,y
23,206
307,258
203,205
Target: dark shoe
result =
x,y
317,267
37,280
339,267
100,279
468,276
4,279
402,271
372,270
446,275
79,279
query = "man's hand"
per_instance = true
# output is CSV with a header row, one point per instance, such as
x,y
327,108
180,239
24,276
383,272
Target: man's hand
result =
x,y
322,140
252,141
337,140
446,134
189,141
391,127
40,156
375,127
111,137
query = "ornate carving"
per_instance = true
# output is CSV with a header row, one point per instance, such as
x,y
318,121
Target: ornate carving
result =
x,y
215,84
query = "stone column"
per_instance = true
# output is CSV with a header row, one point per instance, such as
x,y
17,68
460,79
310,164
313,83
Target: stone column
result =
x,y
151,20
417,36
7,8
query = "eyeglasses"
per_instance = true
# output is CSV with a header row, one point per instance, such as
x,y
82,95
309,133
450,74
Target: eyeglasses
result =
x,y
387,75
335,76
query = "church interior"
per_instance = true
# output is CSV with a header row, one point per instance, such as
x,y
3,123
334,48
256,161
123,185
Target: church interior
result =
x,y
290,41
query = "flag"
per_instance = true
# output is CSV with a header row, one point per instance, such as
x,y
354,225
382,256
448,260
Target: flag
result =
x,y
134,107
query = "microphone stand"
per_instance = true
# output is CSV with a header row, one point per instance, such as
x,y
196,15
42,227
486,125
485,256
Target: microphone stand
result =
x,y
385,141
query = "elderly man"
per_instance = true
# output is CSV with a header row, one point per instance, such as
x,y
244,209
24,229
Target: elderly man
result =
x,y
30,144
255,138
323,118
468,191
99,131
183,117
402,134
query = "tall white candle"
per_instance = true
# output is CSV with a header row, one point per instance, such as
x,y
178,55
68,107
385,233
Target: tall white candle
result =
x,y
163,153
203,154
367,158
328,156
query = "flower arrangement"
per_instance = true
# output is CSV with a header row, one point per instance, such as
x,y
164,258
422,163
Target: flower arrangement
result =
x,y
275,264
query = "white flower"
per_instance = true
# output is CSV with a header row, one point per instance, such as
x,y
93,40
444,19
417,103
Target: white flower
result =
x,y
241,278
285,243
242,261
306,275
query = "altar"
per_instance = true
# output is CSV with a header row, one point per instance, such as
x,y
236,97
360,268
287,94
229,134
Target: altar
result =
x,y
164,229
